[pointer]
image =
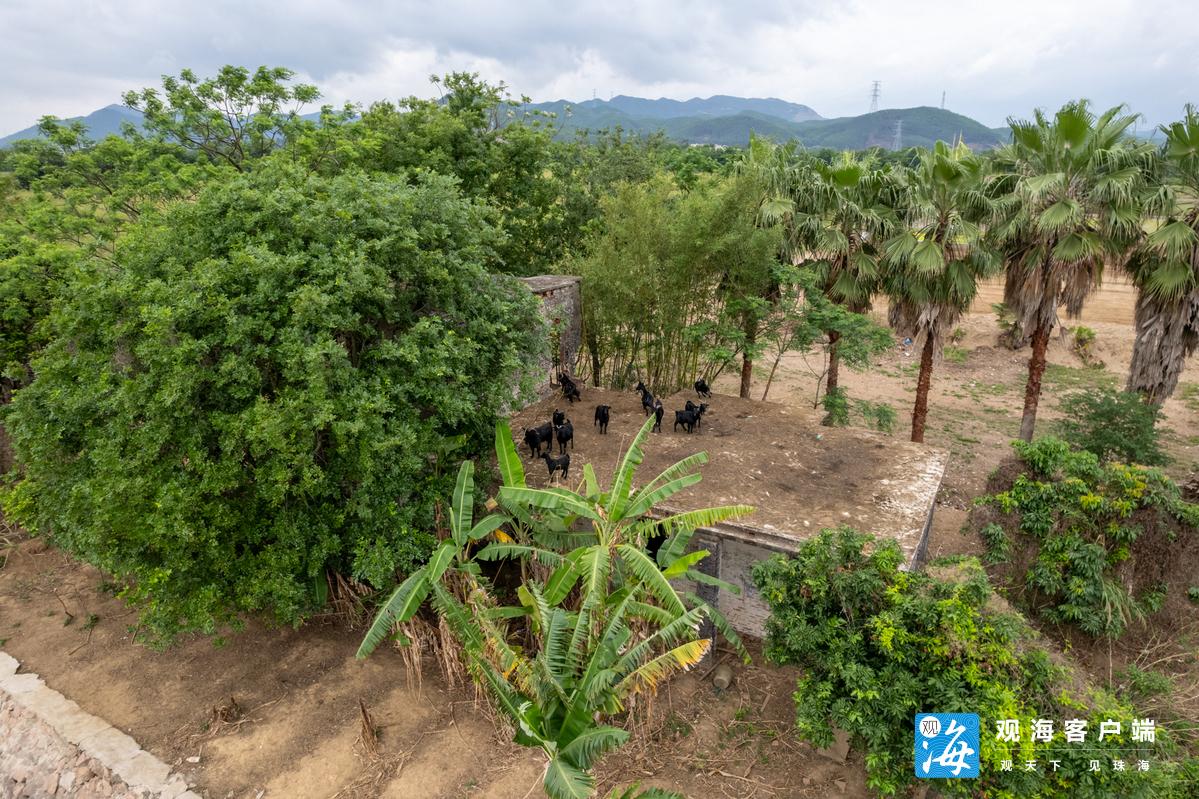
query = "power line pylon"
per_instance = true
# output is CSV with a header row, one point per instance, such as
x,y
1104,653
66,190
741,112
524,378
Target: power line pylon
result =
x,y
875,91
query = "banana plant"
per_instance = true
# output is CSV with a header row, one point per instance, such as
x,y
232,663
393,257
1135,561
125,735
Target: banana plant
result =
x,y
451,555
620,524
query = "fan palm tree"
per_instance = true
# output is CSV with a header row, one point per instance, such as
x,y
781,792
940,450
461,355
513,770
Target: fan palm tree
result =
x,y
934,264
843,213
1069,194
1165,268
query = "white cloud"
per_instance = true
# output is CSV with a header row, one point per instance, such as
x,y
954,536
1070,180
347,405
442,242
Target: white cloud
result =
x,y
992,59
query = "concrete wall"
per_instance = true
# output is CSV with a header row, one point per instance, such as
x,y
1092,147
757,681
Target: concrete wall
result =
x,y
562,308
50,747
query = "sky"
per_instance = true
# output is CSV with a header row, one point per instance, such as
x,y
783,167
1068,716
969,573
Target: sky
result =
x,y
992,59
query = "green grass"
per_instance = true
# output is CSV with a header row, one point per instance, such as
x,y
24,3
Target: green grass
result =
x,y
1069,377
1188,394
956,354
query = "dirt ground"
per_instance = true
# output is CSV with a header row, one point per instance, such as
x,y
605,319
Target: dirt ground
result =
x,y
276,712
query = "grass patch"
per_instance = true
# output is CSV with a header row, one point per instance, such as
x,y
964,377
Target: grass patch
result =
x,y
956,354
1068,377
1188,394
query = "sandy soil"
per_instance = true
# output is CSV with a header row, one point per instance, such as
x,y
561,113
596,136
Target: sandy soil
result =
x,y
296,731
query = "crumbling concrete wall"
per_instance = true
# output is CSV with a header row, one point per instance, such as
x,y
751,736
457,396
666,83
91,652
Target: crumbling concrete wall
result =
x,y
562,308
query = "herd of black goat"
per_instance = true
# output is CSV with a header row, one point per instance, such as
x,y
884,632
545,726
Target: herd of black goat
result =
x,y
559,427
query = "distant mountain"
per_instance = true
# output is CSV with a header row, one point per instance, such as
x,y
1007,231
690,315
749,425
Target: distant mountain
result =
x,y
720,105
719,120
912,127
921,126
101,123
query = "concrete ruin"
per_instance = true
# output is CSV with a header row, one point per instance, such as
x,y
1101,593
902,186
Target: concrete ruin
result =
x,y
800,477
562,308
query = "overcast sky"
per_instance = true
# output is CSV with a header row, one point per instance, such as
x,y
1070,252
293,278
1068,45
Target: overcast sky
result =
x,y
993,59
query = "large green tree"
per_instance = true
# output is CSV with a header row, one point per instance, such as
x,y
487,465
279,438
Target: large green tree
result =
x,y
263,388
935,263
1069,193
1165,267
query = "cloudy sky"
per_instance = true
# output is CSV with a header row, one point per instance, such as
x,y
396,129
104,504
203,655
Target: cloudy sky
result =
x,y
993,59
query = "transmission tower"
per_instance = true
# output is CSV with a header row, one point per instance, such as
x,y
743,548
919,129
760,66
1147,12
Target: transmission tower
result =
x,y
875,90
942,99
897,144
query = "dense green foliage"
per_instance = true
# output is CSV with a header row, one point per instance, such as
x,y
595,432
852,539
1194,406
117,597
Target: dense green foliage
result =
x,y
1083,520
261,386
602,625
1114,425
878,645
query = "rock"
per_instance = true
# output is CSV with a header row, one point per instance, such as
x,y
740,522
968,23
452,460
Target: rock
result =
x,y
841,785
193,759
723,677
839,749
83,773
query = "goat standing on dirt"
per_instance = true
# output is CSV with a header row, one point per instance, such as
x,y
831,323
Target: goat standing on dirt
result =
x,y
536,436
701,388
647,399
565,433
601,418
569,389
687,419
556,464
659,412
699,411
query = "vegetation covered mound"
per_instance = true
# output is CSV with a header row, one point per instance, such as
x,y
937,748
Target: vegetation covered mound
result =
x,y
264,386
878,646
1093,545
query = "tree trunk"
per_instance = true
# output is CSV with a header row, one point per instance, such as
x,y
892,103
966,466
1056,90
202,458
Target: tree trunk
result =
x,y
747,373
831,384
923,384
1032,391
747,360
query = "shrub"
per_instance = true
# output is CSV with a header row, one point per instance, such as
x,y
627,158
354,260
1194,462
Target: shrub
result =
x,y
837,406
263,388
1115,425
1083,521
1083,343
878,645
956,354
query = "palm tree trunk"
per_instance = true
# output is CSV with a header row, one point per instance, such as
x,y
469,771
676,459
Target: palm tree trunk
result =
x,y
833,362
1032,391
923,384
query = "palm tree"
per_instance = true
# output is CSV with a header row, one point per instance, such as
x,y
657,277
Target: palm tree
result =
x,y
1165,268
935,263
1068,189
843,212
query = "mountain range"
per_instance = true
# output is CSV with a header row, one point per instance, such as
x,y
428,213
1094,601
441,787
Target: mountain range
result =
x,y
718,120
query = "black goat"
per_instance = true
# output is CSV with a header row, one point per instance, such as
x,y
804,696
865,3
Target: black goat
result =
x,y
558,418
556,464
701,388
565,433
601,417
536,436
647,399
687,419
699,411
569,389
659,411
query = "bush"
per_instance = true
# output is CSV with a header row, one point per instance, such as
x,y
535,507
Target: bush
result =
x,y
265,388
1115,425
878,645
1083,521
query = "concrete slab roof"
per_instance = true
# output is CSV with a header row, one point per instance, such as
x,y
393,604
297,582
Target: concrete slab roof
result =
x,y
799,475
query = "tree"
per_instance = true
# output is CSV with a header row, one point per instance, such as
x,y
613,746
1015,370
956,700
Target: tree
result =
x,y
1068,192
1165,268
603,626
230,119
934,264
263,389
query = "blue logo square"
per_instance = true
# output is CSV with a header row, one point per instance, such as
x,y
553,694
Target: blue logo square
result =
x,y
946,745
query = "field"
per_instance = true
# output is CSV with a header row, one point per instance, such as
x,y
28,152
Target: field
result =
x,y
276,712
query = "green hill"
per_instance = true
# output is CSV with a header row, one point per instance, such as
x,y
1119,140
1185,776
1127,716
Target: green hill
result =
x,y
103,122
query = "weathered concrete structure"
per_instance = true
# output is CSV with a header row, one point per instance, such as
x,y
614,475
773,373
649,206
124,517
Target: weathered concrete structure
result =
x,y
562,307
799,476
